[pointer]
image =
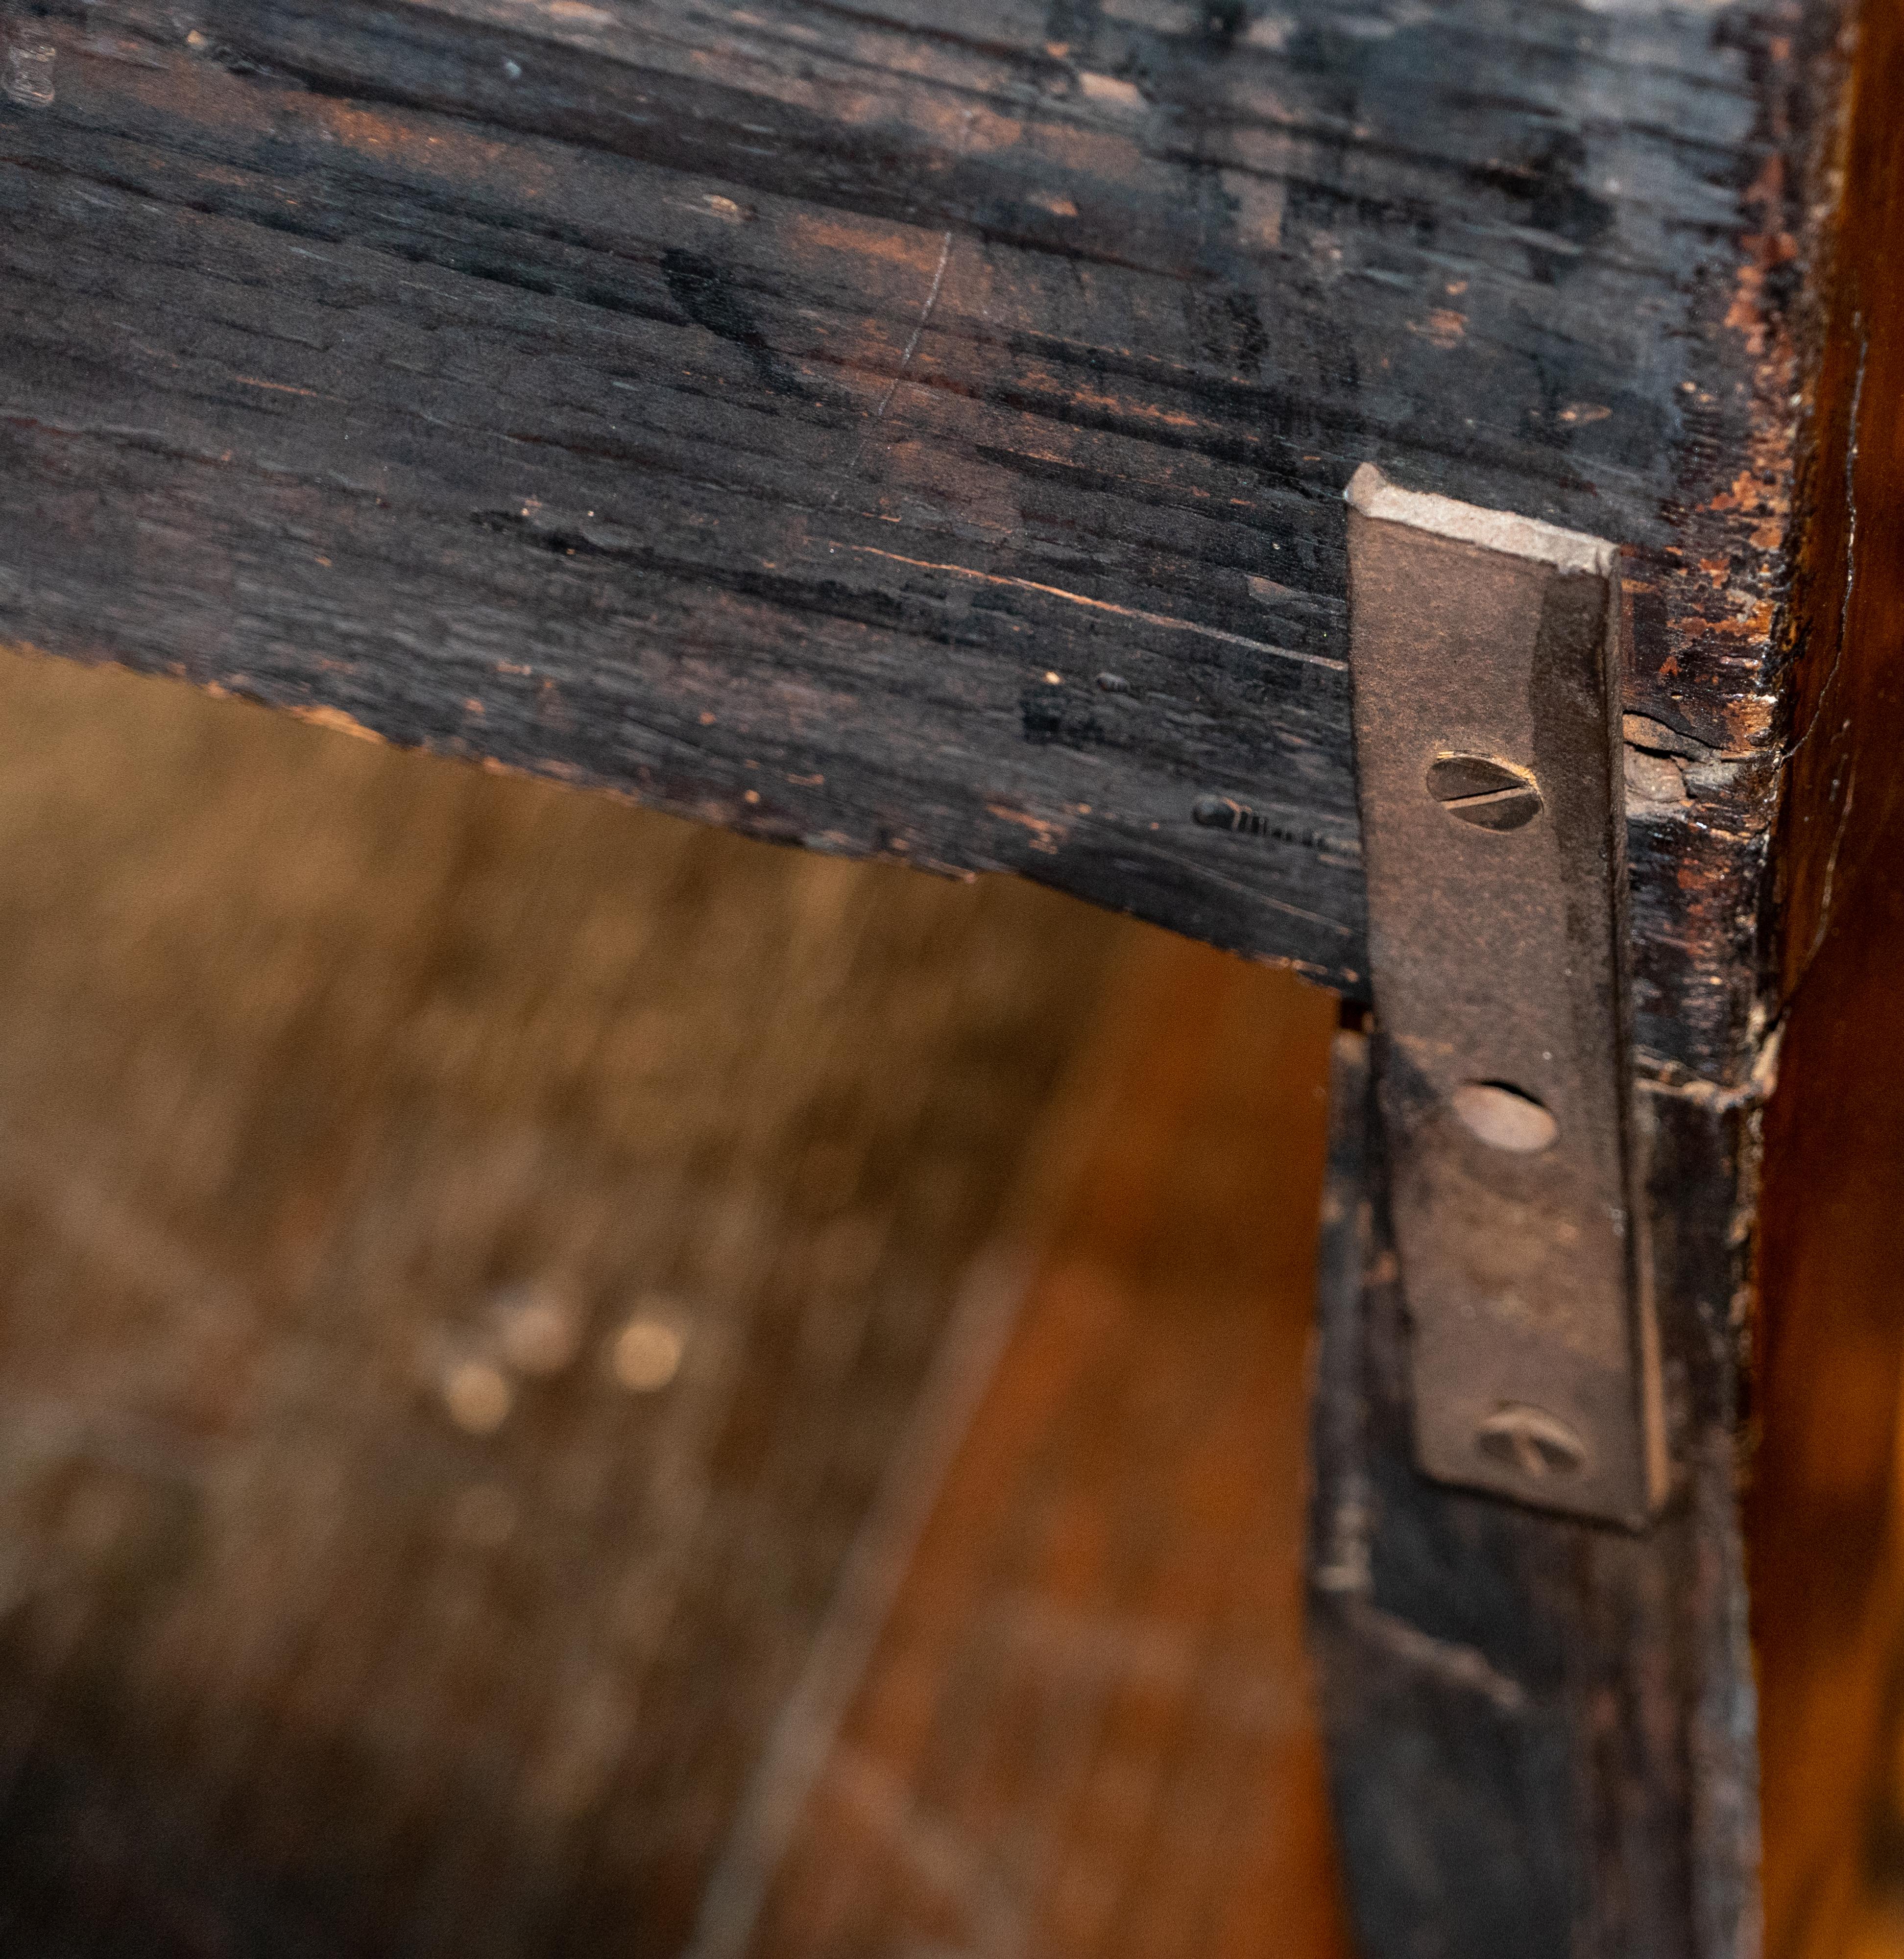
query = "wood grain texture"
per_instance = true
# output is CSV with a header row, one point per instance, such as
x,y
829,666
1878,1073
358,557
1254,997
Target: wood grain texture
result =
x,y
917,430
1827,1508
912,430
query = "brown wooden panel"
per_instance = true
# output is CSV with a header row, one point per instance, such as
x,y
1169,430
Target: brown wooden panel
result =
x,y
1827,1525
1088,1728
924,435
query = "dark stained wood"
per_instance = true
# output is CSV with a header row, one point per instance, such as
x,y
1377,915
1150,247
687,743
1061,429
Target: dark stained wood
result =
x,y
1828,1529
1540,1730
1545,1738
751,410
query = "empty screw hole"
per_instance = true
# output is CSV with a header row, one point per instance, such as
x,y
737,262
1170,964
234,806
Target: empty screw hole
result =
x,y
1505,1117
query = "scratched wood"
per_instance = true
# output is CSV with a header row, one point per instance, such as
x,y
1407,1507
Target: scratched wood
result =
x,y
918,430
1545,1738
914,430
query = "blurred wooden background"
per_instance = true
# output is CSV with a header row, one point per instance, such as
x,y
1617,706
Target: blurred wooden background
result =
x,y
573,1384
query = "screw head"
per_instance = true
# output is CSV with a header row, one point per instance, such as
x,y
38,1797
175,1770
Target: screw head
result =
x,y
1538,1444
1478,790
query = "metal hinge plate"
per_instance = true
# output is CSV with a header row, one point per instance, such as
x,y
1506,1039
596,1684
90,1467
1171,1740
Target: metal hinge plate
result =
x,y
1484,664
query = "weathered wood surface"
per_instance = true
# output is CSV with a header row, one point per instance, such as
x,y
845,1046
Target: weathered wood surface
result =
x,y
920,430
1545,1738
1541,1731
908,428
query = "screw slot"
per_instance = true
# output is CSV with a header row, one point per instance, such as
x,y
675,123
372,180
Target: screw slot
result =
x,y
1490,794
1532,1441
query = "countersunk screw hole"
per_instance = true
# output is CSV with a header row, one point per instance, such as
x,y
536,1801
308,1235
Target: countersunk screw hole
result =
x,y
1505,1117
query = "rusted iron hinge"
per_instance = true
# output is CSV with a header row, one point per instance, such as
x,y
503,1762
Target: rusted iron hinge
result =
x,y
1484,662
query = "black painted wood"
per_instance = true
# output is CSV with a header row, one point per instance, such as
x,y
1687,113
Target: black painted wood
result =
x,y
907,428
1540,1731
